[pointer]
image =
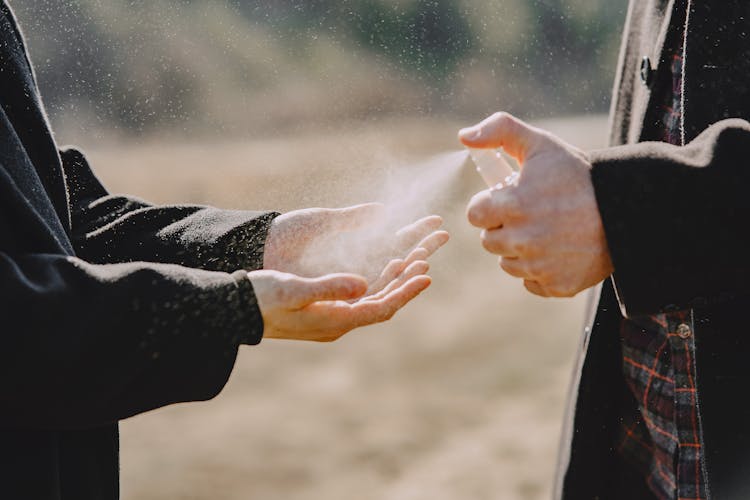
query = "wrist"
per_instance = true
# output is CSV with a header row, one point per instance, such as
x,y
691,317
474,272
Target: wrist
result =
x,y
273,246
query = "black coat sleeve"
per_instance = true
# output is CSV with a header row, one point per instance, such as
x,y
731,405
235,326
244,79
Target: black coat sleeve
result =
x,y
105,335
146,314
114,228
676,219
86,344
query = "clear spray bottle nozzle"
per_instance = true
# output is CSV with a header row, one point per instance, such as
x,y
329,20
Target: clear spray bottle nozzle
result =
x,y
494,169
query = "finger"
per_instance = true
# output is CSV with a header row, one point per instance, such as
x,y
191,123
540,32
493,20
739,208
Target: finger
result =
x,y
354,217
418,253
504,242
503,130
497,241
329,287
432,243
513,267
409,236
390,273
492,208
333,319
415,269
427,247
376,311
535,288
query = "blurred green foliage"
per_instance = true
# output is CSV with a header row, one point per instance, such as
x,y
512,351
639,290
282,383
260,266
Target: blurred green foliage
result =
x,y
254,66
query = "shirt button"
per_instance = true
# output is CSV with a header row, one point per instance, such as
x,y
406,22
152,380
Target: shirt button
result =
x,y
684,331
647,72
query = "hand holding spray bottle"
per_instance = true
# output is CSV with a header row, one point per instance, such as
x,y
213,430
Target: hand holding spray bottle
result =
x,y
494,169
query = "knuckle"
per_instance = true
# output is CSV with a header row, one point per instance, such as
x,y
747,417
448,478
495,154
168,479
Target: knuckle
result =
x,y
509,267
420,267
507,122
531,247
534,288
501,118
539,272
421,254
487,242
393,268
514,203
521,246
492,241
476,217
476,211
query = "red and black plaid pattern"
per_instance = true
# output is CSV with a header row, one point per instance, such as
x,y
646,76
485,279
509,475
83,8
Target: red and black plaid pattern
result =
x,y
663,438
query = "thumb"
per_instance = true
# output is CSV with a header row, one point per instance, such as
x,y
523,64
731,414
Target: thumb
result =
x,y
502,130
329,287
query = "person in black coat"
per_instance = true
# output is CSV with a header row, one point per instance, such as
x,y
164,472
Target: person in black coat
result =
x,y
658,223
110,306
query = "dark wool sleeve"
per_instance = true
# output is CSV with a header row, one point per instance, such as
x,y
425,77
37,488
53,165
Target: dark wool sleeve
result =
x,y
88,340
86,344
113,228
676,219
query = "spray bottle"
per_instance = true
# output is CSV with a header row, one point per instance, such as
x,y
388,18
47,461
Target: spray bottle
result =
x,y
494,169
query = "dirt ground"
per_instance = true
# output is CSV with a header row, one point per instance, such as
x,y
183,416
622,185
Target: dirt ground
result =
x,y
459,397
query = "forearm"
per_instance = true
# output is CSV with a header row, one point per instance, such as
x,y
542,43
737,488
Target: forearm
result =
x,y
88,344
675,218
110,228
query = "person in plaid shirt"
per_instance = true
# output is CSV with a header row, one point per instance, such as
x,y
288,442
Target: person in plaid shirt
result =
x,y
656,224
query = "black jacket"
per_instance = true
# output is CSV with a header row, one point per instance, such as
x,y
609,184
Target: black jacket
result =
x,y
676,219
108,306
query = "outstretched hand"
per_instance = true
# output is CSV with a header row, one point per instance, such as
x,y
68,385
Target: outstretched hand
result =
x,y
328,271
317,241
546,228
323,309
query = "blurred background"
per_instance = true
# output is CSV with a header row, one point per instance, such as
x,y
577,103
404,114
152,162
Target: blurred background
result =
x,y
284,104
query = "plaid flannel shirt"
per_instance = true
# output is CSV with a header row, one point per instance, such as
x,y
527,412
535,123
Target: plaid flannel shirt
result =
x,y
662,439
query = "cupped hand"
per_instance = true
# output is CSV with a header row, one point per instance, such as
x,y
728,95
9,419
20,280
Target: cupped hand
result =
x,y
546,228
325,308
